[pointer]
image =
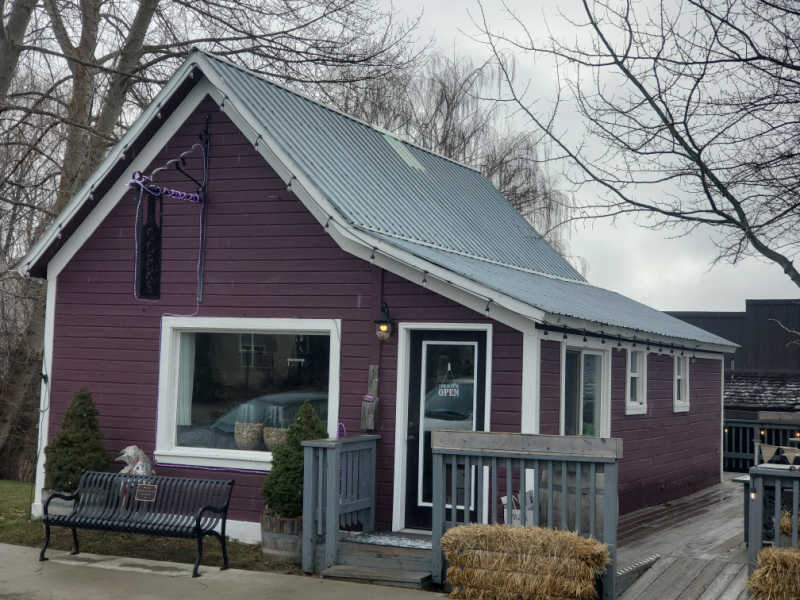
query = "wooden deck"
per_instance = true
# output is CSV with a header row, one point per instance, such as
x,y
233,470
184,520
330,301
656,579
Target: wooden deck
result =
x,y
700,539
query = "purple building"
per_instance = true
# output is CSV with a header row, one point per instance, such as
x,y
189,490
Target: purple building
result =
x,y
200,327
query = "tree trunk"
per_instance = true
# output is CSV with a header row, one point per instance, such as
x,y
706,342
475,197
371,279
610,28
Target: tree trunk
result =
x,y
11,37
25,368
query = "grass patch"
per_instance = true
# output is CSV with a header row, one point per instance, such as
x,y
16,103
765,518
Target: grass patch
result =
x,y
16,527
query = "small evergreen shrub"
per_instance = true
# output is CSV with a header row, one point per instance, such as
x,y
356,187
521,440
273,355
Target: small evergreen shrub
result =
x,y
283,487
78,447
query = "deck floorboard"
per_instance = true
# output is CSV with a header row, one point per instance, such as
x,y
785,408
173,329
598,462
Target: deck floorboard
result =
x,y
700,539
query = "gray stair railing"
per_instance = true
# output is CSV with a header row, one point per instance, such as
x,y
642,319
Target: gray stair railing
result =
x,y
338,492
739,438
773,490
561,482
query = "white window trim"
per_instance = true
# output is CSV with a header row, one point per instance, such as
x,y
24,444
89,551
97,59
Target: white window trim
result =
x,y
595,346
684,382
167,451
636,408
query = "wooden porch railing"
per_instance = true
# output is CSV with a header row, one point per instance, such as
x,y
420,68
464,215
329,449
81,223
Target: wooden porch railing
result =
x,y
569,483
338,492
739,437
773,490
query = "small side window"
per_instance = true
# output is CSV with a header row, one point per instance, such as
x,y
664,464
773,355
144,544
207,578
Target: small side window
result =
x,y
636,383
680,402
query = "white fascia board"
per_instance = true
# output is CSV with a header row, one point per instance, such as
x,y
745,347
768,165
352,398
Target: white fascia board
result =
x,y
114,155
44,395
502,308
642,337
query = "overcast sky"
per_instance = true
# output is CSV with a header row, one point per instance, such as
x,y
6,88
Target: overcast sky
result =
x,y
650,266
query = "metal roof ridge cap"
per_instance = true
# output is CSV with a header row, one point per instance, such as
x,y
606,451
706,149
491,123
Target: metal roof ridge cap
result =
x,y
474,256
376,128
111,158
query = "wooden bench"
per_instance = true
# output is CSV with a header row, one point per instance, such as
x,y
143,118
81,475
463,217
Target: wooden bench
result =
x,y
150,504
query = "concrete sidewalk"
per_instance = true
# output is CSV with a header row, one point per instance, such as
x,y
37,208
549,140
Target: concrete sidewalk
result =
x,y
90,577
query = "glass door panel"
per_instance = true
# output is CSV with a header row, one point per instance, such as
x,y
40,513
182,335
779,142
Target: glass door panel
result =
x,y
448,399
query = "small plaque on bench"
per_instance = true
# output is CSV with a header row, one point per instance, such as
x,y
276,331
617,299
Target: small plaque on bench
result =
x,y
146,492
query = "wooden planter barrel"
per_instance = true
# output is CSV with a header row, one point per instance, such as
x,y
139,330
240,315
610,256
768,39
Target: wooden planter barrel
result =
x,y
282,538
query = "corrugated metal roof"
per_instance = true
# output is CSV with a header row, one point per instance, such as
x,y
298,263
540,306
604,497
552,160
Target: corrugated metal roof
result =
x,y
561,297
388,186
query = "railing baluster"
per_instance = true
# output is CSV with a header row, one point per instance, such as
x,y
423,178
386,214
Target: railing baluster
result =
x,y
777,512
453,488
578,498
479,504
493,496
508,518
550,493
592,499
795,495
536,492
467,490
523,494
564,496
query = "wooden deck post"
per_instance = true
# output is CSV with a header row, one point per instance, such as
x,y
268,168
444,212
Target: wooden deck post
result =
x,y
309,493
610,515
331,505
437,525
756,521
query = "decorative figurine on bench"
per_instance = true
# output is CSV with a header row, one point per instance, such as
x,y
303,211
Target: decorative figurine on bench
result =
x,y
136,461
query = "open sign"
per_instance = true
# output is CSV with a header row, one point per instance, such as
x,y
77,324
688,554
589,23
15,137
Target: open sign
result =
x,y
449,390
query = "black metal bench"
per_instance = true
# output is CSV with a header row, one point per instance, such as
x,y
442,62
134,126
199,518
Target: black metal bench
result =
x,y
150,504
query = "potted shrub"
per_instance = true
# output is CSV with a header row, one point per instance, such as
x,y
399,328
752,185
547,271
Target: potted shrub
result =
x,y
282,524
78,447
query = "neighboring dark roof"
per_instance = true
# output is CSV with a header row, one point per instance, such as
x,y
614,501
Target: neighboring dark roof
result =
x,y
763,392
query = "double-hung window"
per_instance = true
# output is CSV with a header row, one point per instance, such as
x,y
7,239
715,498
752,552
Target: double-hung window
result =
x,y
636,383
680,401
230,387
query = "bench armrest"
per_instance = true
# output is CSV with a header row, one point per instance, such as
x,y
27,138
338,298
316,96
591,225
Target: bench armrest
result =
x,y
221,510
74,496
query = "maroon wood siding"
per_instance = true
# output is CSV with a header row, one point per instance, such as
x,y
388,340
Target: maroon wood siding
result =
x,y
266,257
550,388
667,454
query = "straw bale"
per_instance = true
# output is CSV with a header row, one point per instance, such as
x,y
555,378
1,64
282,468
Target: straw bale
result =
x,y
786,523
539,541
528,586
561,566
777,576
526,563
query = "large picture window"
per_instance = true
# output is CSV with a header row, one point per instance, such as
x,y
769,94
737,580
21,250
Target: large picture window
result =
x,y
229,388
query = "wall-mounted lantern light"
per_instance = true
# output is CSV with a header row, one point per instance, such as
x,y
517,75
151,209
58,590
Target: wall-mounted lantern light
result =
x,y
383,324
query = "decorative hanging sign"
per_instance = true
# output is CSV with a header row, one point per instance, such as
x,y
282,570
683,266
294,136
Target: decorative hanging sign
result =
x,y
148,229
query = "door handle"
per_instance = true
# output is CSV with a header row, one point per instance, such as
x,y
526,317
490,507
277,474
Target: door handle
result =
x,y
412,431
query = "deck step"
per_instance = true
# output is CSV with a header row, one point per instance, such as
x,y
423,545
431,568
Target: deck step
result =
x,y
380,576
